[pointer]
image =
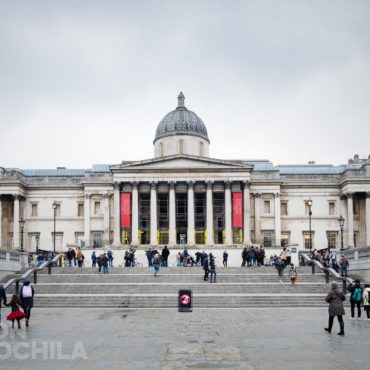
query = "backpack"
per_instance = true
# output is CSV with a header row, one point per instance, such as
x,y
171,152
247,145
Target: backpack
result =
x,y
27,291
357,294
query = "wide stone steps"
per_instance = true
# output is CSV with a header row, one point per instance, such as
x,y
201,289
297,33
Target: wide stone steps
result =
x,y
137,288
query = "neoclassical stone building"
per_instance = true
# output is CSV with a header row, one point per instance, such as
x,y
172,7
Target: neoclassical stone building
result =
x,y
182,196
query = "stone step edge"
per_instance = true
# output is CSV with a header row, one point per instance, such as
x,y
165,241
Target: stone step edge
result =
x,y
179,283
267,295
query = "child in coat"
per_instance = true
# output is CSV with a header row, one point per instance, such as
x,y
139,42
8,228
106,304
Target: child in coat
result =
x,y
17,313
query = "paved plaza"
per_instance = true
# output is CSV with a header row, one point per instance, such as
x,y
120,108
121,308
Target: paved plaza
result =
x,y
166,339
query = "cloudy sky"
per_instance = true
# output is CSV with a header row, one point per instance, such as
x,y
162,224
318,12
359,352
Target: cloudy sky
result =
x,y
85,82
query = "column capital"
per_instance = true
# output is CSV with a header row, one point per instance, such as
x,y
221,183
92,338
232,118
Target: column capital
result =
x,y
135,185
172,185
349,194
106,195
368,194
209,184
257,195
16,196
190,184
247,184
153,185
116,185
276,195
227,184
87,196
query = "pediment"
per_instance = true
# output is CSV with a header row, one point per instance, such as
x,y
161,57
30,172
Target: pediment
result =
x,y
181,162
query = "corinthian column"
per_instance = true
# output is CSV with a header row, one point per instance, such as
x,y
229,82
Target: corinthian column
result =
x,y
191,237
210,240
116,222
367,218
277,220
257,217
1,223
228,228
16,244
87,220
135,214
350,219
172,216
153,214
247,213
106,198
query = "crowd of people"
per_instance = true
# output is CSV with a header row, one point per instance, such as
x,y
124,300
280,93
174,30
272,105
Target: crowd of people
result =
x,y
329,259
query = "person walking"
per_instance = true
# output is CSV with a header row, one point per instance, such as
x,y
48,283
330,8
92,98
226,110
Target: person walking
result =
x,y
26,295
212,269
156,264
356,298
104,263
283,256
343,266
293,275
366,300
71,254
2,299
280,266
262,256
80,257
244,256
149,256
165,254
335,299
225,257
93,259
16,313
110,258
205,267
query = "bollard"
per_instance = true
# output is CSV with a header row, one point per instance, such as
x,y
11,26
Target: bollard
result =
x,y
16,286
313,267
344,286
49,268
35,277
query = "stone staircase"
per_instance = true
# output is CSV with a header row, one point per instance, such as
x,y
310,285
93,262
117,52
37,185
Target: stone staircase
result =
x,y
137,288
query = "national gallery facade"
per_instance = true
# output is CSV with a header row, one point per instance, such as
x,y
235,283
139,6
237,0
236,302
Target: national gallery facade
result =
x,y
182,196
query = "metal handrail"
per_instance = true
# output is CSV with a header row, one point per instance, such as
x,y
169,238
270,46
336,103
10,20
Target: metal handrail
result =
x,y
331,271
30,271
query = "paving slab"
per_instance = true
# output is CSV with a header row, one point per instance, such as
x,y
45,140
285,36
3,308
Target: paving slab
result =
x,y
248,339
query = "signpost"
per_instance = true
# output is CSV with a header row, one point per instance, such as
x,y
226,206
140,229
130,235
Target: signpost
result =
x,y
185,300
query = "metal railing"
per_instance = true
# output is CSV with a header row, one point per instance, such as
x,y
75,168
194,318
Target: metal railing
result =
x,y
328,271
16,281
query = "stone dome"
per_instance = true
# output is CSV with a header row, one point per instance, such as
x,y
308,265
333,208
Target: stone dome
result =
x,y
181,121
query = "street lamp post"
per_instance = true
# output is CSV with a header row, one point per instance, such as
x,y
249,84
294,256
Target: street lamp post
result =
x,y
37,244
341,220
21,227
55,211
309,203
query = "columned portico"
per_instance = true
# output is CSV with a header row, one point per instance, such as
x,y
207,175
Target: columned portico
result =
x,y
350,219
191,226
172,215
16,216
367,218
228,229
87,219
247,212
106,198
116,222
1,222
153,214
277,220
209,240
135,214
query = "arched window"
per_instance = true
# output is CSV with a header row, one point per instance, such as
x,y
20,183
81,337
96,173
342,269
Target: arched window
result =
x,y
181,146
161,151
201,149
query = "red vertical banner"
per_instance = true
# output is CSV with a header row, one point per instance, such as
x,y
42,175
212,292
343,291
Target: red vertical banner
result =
x,y
237,209
125,209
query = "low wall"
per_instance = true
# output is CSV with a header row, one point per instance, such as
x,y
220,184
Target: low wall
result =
x,y
11,261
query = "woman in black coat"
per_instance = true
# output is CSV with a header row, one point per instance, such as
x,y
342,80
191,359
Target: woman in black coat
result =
x,y
335,299
26,296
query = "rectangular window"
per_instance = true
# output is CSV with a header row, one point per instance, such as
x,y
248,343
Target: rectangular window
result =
x,y
332,239
266,206
307,240
284,239
97,239
33,241
80,241
97,208
34,210
80,210
284,209
331,208
267,239
58,241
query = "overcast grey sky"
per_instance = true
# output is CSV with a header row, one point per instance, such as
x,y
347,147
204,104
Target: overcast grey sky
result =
x,y
85,82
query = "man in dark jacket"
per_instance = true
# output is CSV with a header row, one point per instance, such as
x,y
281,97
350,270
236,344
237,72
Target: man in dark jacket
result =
x,y
26,295
205,267
2,299
165,254
356,298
